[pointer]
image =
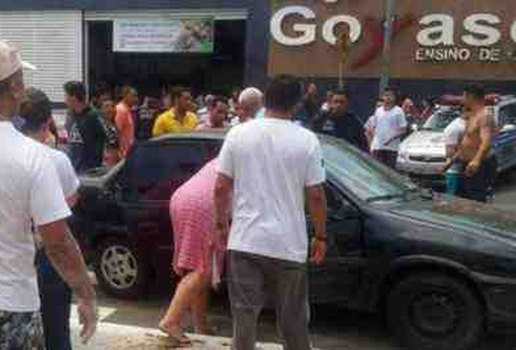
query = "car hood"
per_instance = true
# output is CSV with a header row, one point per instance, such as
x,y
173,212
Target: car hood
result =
x,y
464,216
99,177
424,142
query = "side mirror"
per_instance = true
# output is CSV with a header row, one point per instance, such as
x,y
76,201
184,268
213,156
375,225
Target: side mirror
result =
x,y
508,127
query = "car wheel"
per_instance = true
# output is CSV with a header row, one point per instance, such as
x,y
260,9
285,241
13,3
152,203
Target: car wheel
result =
x,y
121,271
434,311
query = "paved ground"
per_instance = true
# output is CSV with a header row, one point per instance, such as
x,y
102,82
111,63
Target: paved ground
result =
x,y
505,195
332,328
131,325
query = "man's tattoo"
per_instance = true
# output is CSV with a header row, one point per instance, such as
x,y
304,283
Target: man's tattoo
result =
x,y
66,258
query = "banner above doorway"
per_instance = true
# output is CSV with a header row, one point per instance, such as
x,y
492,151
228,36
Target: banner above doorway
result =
x,y
161,36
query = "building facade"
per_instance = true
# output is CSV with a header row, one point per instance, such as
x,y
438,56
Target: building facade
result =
x,y
73,40
437,46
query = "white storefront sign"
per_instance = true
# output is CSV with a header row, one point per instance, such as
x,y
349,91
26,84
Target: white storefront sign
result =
x,y
481,29
480,34
173,35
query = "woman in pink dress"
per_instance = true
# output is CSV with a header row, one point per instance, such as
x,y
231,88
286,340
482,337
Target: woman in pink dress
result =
x,y
195,259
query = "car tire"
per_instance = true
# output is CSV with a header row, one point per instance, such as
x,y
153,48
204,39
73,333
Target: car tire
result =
x,y
435,311
120,269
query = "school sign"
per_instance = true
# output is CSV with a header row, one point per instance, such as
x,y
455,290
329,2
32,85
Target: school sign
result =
x,y
432,39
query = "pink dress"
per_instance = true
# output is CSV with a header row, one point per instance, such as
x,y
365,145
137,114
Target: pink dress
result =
x,y
192,212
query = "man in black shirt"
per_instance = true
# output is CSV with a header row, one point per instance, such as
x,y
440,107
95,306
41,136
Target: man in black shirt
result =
x,y
86,136
340,123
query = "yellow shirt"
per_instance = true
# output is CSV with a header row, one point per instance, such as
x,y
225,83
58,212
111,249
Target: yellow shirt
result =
x,y
167,123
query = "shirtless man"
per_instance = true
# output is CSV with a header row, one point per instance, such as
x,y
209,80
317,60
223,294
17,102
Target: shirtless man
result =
x,y
475,150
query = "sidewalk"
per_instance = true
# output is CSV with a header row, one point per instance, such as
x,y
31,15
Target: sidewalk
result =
x,y
114,337
111,336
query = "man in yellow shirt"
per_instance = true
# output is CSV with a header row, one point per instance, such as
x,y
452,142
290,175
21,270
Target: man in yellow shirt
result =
x,y
178,119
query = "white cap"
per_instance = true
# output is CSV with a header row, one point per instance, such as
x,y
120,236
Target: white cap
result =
x,y
10,61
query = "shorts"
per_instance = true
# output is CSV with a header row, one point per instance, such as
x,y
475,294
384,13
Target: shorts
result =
x,y
21,331
478,186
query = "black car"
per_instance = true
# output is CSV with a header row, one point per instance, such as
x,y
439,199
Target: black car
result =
x,y
441,270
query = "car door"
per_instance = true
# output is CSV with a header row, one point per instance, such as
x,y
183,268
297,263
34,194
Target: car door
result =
x,y
505,143
154,171
337,280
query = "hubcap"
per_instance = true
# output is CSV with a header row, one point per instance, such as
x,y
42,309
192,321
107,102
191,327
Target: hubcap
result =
x,y
437,313
119,267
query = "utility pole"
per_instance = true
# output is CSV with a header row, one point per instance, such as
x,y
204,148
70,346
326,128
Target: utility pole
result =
x,y
343,44
387,41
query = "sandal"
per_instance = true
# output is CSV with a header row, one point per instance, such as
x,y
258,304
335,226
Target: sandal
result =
x,y
176,337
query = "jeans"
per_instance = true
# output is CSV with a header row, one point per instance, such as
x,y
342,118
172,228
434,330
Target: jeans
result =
x,y
56,298
386,157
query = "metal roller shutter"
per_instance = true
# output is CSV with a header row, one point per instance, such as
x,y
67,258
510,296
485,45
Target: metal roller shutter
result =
x,y
52,41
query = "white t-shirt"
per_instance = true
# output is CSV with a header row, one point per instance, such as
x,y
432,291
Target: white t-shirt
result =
x,y
30,194
272,162
454,132
369,125
386,124
67,177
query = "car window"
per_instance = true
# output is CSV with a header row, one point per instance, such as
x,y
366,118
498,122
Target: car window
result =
x,y
335,201
155,171
364,177
441,119
211,149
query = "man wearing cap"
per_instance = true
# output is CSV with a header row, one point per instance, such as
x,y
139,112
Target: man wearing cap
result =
x,y
31,198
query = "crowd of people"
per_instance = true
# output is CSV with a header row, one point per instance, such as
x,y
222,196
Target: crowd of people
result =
x,y
102,132
226,215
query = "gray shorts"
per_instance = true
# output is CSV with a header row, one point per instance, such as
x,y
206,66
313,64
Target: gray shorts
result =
x,y
21,331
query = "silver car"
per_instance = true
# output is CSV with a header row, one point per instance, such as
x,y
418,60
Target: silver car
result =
x,y
422,155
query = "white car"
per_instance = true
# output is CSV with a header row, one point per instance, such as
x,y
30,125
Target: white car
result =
x,y
422,155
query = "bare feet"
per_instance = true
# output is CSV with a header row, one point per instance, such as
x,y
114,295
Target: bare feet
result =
x,y
175,334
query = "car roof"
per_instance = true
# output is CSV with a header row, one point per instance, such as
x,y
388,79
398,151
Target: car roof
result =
x,y
215,135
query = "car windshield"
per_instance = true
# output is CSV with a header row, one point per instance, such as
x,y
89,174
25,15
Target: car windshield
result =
x,y
366,178
441,119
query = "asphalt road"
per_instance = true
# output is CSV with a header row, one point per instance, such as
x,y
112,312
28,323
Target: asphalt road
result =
x,y
505,194
332,328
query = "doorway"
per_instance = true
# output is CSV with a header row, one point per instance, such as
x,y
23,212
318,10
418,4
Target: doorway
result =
x,y
217,72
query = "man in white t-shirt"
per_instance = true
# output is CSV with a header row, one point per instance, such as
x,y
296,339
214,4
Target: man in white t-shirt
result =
x,y
453,135
56,296
31,198
389,126
268,166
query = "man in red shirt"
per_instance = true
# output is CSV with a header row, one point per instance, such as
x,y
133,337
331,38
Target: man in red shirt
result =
x,y
124,119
